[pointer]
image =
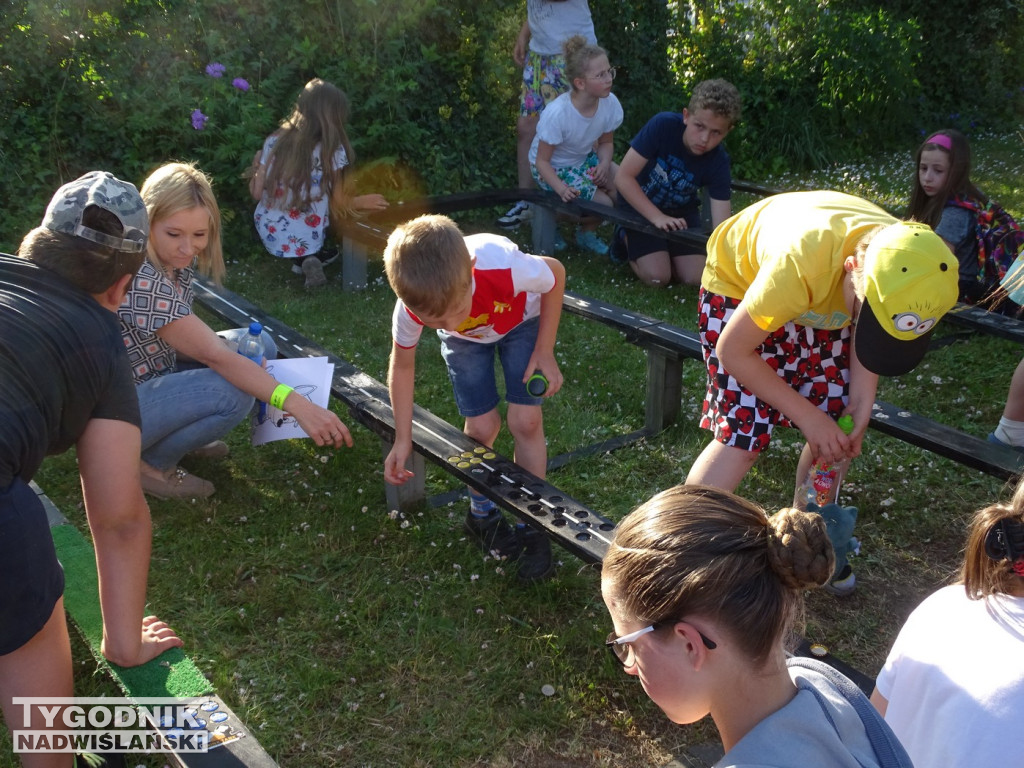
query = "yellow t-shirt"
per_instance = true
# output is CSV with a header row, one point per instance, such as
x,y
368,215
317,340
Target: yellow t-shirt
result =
x,y
784,256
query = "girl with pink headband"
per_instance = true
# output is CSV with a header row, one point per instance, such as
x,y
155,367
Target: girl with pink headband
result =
x,y
944,198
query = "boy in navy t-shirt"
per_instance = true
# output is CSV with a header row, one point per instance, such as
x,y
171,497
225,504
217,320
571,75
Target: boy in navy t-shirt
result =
x,y
660,178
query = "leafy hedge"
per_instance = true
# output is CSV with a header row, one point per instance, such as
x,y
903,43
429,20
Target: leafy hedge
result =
x,y
115,85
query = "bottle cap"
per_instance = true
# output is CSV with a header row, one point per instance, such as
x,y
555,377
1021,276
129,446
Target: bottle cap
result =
x,y
255,328
537,384
846,424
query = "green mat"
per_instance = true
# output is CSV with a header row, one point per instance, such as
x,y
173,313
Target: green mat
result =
x,y
170,674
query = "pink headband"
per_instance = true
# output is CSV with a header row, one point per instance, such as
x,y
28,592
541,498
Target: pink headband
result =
x,y
941,140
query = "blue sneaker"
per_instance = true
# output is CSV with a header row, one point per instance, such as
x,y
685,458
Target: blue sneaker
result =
x,y
589,241
996,441
560,244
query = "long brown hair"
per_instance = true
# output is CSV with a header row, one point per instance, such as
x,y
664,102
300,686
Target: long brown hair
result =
x,y
928,210
697,550
993,548
318,118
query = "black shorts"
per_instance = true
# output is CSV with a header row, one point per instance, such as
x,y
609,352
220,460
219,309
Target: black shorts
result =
x,y
31,578
639,244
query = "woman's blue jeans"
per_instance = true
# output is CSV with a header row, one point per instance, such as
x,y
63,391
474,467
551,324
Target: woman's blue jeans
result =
x,y
191,407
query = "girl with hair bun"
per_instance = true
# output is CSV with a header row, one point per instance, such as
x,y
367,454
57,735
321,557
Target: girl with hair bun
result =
x,y
952,688
703,589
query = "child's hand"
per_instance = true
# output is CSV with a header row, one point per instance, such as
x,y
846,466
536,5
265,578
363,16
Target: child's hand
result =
x,y
668,223
547,365
156,637
568,194
827,441
372,202
394,464
599,174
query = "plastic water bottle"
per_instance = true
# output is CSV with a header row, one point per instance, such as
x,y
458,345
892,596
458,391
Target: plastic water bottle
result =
x,y
251,346
823,475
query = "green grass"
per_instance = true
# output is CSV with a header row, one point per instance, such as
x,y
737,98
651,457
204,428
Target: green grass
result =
x,y
347,634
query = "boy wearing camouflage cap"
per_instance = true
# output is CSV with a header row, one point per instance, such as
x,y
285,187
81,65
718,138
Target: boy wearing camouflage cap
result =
x,y
65,380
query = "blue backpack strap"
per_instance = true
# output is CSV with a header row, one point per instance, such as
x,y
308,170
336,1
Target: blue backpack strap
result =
x,y
888,750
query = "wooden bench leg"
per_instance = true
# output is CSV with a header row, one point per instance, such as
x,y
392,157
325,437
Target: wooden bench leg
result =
x,y
414,490
353,264
544,225
664,390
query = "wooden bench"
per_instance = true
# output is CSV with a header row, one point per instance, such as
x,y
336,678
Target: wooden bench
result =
x,y
666,345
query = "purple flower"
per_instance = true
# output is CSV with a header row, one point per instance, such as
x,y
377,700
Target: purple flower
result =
x,y
240,83
198,120
215,69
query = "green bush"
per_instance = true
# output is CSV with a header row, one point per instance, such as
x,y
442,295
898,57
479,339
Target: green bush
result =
x,y
434,89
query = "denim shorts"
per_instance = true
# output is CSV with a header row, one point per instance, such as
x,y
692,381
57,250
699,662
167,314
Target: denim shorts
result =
x,y
471,369
31,578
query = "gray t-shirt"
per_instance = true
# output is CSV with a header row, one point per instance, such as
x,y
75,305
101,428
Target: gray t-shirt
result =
x,y
62,363
829,722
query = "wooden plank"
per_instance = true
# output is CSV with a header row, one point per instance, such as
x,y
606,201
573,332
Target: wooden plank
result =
x,y
977,453
977,319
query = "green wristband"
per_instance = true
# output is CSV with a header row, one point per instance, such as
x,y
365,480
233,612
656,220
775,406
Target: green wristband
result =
x,y
281,392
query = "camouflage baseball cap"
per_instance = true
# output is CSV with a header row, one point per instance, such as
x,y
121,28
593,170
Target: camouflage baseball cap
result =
x,y
99,188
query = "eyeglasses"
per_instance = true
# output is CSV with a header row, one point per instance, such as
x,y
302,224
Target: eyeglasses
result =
x,y
608,74
622,649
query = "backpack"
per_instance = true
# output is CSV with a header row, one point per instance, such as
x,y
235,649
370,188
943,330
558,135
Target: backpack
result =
x,y
1000,238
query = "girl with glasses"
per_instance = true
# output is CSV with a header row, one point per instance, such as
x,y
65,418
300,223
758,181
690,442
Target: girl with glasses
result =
x,y
703,588
571,154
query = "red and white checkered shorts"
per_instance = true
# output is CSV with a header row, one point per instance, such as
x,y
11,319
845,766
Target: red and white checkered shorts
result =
x,y
813,361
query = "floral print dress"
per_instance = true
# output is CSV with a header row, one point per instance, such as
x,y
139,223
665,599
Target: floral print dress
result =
x,y
287,231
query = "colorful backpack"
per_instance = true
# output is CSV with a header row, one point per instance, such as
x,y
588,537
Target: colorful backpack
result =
x,y
1000,238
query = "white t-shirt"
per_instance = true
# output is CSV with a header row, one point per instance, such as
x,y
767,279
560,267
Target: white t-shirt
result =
x,y
552,23
570,133
954,680
507,286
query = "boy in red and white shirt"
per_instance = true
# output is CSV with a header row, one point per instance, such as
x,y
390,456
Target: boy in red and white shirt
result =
x,y
482,295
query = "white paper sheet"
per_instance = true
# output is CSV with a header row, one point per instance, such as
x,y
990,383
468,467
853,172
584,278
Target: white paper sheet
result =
x,y
309,377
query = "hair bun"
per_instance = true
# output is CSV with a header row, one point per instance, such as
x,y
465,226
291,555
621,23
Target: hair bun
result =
x,y
799,549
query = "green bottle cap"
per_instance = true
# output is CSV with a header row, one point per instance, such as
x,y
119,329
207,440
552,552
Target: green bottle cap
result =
x,y
846,423
537,384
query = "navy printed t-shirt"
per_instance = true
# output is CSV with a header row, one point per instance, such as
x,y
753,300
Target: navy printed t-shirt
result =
x,y
673,176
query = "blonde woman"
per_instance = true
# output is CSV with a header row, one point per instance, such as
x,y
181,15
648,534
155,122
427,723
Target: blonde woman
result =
x,y
187,407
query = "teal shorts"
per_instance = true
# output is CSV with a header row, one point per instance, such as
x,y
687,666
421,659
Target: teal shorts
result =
x,y
578,177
